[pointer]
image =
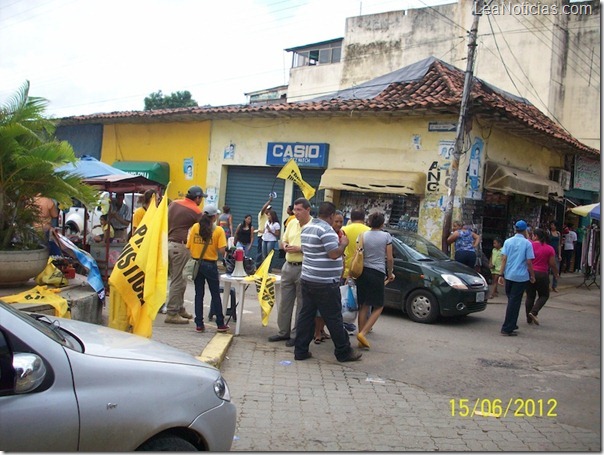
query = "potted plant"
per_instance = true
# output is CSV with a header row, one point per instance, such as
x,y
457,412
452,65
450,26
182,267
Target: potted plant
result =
x,y
29,156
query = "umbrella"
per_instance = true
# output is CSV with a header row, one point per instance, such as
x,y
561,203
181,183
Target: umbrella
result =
x,y
592,210
89,167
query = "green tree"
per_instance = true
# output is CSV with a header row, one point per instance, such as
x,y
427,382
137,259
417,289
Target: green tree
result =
x,y
158,100
29,155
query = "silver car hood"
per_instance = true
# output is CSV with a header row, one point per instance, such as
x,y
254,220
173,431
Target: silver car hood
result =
x,y
106,342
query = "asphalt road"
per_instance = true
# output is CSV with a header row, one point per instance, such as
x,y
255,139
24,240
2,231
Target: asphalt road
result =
x,y
468,358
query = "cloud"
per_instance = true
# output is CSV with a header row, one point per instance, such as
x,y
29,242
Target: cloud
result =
x,y
102,56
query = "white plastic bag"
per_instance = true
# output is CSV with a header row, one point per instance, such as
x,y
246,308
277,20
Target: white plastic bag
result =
x,y
348,293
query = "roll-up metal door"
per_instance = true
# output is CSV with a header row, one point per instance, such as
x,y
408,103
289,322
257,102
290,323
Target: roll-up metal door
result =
x,y
247,190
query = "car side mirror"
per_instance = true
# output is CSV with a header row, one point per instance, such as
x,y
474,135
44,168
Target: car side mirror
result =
x,y
29,372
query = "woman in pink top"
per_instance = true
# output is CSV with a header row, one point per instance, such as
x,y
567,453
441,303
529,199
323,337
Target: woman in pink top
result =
x,y
544,260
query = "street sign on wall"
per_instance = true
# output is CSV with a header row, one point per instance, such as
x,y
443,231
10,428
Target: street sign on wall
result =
x,y
305,154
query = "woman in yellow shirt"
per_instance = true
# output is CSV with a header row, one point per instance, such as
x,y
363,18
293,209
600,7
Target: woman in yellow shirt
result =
x,y
205,243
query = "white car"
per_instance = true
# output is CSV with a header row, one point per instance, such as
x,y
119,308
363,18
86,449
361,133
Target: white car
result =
x,y
68,385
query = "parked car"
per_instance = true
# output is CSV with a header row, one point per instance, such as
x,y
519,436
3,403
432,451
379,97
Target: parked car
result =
x,y
68,385
429,284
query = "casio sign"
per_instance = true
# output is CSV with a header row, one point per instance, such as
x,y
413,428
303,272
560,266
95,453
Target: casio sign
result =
x,y
289,151
305,154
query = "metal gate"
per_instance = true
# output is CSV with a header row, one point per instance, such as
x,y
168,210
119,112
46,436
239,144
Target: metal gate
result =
x,y
247,190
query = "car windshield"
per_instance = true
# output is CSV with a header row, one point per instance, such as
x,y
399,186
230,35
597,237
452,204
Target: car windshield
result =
x,y
416,247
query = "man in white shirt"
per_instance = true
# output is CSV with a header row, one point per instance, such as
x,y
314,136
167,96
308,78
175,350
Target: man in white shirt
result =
x,y
570,241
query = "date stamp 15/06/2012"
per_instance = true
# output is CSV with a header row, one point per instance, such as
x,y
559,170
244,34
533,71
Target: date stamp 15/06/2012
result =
x,y
496,407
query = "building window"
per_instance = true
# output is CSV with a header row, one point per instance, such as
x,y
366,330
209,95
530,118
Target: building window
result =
x,y
317,56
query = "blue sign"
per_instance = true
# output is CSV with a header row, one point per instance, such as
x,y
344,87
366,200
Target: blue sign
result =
x,y
305,154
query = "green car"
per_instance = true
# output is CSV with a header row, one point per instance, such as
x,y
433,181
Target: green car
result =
x,y
429,284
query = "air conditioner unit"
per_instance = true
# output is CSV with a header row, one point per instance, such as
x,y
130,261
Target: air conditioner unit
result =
x,y
561,176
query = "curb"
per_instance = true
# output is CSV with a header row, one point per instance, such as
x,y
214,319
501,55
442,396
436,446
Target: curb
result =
x,y
215,352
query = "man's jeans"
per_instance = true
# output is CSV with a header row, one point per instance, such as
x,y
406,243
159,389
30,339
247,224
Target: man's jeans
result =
x,y
514,291
327,299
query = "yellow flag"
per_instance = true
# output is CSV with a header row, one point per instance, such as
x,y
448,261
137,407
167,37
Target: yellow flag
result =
x,y
265,286
127,280
291,171
41,294
152,258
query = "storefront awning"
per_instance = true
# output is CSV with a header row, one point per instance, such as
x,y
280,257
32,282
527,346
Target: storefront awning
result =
x,y
509,180
158,171
372,181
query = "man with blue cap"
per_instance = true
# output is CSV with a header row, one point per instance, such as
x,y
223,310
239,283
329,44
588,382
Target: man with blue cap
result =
x,y
517,268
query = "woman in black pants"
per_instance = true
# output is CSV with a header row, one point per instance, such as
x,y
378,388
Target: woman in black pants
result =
x,y
543,262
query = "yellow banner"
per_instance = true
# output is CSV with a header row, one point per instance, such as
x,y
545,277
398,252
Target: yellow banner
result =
x,y
139,279
265,286
291,171
42,295
153,259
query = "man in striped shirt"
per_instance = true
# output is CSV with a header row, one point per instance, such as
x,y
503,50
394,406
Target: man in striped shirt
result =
x,y
320,281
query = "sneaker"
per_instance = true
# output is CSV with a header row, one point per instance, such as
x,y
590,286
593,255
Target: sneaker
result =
x,y
200,328
222,328
534,318
350,327
175,319
164,309
183,314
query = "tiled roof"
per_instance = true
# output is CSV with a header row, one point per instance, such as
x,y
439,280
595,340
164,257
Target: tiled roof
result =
x,y
438,90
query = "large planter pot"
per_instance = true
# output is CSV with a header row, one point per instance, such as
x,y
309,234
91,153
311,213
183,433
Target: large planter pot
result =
x,y
17,267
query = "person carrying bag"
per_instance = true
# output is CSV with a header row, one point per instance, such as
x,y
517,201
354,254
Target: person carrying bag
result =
x,y
356,266
214,244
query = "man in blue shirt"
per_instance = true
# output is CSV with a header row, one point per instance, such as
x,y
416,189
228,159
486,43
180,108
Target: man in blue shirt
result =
x,y
320,283
517,268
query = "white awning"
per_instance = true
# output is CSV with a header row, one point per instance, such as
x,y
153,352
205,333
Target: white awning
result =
x,y
372,181
509,180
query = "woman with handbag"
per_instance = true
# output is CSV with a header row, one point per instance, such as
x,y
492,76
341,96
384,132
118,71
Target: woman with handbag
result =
x,y
205,243
378,269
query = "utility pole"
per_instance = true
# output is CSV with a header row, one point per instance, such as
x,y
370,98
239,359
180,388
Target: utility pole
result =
x,y
461,123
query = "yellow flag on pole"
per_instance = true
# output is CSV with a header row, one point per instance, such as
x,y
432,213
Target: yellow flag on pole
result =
x,y
265,286
291,171
152,257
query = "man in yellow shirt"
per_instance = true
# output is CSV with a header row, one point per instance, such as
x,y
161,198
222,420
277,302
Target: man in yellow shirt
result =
x,y
353,230
291,290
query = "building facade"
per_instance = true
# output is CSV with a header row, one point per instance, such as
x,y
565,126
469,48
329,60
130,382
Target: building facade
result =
x,y
384,145
550,56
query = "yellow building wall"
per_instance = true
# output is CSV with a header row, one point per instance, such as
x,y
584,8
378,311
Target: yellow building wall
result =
x,y
169,142
403,144
393,144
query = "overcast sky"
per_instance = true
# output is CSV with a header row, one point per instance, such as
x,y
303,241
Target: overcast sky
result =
x,y
88,56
